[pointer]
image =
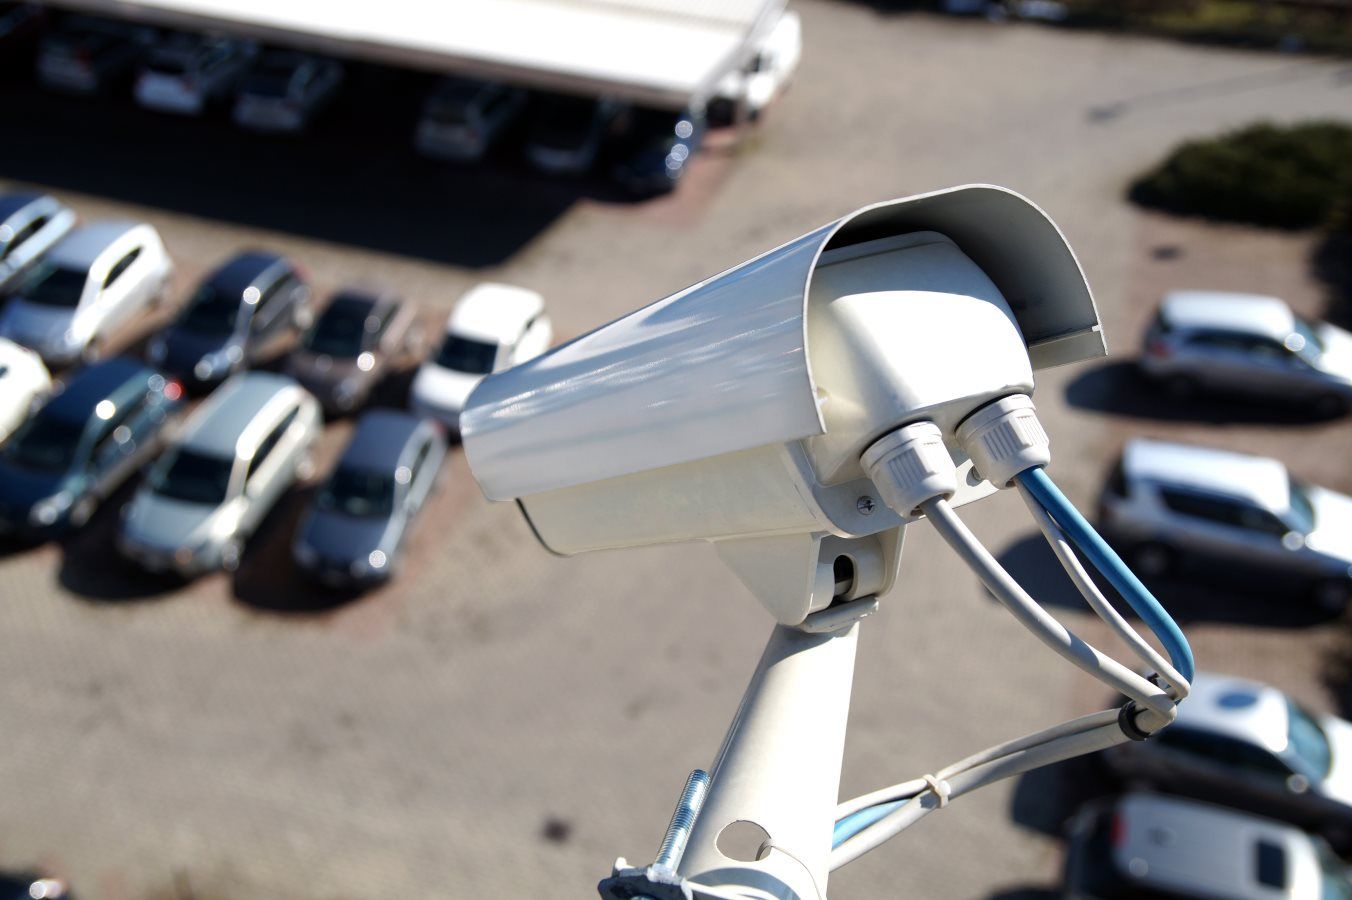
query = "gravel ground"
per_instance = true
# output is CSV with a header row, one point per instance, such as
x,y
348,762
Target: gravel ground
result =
x,y
501,721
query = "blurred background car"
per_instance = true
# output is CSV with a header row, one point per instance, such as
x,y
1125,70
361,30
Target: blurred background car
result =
x,y
286,90
186,73
1248,345
30,225
82,446
1249,746
746,92
1177,507
21,27
352,535
567,132
493,327
354,342
462,118
1145,846
96,282
23,382
658,146
247,311
32,886
235,457
83,55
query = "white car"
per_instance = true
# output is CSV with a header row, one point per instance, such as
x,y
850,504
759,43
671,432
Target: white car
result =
x,y
30,225
286,90
1250,345
1251,747
23,381
96,281
1173,506
187,73
746,92
493,327
462,118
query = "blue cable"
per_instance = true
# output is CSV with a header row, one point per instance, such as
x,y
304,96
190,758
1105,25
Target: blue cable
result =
x,y
1040,485
856,822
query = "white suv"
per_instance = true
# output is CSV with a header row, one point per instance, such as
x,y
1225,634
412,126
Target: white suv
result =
x,y
96,281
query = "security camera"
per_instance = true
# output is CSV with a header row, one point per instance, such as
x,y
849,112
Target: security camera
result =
x,y
740,409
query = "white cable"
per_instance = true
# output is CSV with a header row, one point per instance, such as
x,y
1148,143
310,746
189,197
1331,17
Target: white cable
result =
x,y
1065,553
1045,626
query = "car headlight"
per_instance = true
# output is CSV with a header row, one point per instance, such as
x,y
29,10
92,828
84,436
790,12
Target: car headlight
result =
x,y
306,555
46,512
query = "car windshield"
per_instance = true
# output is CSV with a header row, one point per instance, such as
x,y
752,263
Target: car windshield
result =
x,y
172,64
1308,743
1302,508
192,476
360,493
450,104
53,285
44,443
465,355
270,80
212,312
340,330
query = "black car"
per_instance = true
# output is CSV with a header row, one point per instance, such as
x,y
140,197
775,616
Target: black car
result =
x,y
657,147
247,311
82,445
353,533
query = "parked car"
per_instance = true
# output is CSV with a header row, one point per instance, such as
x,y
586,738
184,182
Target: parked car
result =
x,y
286,90
1251,747
1148,847
235,457
97,281
89,56
493,327
30,225
186,73
568,132
354,532
248,310
23,382
82,446
21,27
353,343
657,149
33,886
462,118
746,92
1248,345
1175,507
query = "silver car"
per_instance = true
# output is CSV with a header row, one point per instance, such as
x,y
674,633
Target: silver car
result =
x,y
1176,506
30,225
1250,345
1143,846
96,282
236,456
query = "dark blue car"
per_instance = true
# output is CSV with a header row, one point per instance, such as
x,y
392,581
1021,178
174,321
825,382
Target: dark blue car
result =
x,y
82,445
248,310
353,533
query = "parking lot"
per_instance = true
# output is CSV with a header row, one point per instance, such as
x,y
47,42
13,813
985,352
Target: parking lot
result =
x,y
502,721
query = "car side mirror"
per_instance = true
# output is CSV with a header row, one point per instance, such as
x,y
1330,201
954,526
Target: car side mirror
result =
x,y
1297,784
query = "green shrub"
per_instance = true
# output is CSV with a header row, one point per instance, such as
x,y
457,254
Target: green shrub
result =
x,y
1290,177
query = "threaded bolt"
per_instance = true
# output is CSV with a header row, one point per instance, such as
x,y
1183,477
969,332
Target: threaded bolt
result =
x,y
683,820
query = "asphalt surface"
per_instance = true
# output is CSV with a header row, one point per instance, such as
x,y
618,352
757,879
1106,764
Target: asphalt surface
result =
x,y
500,721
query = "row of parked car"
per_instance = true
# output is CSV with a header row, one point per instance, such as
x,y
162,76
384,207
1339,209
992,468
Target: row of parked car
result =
x,y
68,444
282,90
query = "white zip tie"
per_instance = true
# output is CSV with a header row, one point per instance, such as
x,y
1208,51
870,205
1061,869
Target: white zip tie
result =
x,y
939,787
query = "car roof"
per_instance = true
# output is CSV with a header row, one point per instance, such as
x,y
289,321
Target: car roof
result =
x,y
240,271
92,385
220,426
1249,711
379,440
1259,480
1173,843
493,311
85,244
12,203
1225,311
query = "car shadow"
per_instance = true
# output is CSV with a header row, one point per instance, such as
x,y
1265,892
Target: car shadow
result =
x,y
269,581
93,570
1026,893
1044,799
353,179
1203,595
1119,389
1332,264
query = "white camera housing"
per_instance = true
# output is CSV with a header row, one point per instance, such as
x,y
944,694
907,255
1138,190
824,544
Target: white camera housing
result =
x,y
736,411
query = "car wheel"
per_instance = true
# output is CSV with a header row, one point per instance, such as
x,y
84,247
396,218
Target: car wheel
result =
x,y
1331,594
1182,387
1152,558
1330,405
231,554
82,512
